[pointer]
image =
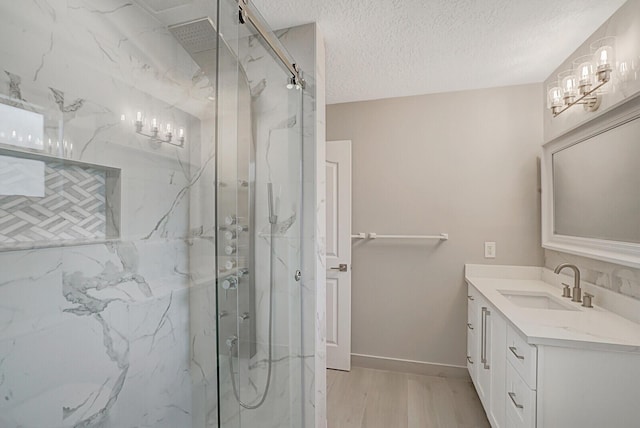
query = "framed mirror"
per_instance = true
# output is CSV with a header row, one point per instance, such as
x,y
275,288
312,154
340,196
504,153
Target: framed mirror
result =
x,y
591,188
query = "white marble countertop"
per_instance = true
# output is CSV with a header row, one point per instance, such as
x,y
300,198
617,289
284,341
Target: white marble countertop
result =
x,y
592,328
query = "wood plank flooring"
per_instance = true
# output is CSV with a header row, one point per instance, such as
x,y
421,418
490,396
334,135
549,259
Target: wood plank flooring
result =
x,y
367,398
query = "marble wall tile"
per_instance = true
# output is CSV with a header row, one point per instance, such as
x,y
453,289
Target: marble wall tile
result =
x,y
620,279
83,345
120,333
312,62
280,144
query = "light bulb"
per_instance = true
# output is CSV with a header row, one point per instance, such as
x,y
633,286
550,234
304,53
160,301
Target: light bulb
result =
x,y
604,57
569,86
139,116
554,98
168,128
585,71
122,117
154,122
181,132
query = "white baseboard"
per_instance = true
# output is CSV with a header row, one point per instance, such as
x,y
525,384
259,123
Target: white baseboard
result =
x,y
409,366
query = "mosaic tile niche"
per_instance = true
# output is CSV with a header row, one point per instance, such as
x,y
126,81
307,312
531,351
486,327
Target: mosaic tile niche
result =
x,y
48,202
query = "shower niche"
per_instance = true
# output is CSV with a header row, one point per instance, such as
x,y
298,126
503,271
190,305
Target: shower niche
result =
x,y
47,201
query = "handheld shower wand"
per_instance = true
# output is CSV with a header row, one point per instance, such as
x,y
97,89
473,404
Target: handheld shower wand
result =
x,y
273,217
231,343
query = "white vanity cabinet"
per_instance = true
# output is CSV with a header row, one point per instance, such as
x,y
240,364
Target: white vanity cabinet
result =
x,y
549,384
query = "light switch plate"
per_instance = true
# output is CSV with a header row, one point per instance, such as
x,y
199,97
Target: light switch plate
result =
x,y
489,250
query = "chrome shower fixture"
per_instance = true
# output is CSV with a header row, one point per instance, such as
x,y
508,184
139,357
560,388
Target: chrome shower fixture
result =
x,y
295,81
273,216
233,340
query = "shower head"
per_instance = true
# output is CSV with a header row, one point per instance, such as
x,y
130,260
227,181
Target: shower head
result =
x,y
196,36
199,38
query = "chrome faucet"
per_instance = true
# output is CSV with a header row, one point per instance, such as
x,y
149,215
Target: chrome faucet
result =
x,y
577,291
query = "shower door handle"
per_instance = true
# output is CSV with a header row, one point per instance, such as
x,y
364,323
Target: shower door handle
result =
x,y
342,267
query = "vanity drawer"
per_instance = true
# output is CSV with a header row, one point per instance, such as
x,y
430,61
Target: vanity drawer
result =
x,y
521,401
522,356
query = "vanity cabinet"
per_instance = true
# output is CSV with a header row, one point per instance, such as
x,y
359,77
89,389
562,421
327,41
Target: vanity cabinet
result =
x,y
558,385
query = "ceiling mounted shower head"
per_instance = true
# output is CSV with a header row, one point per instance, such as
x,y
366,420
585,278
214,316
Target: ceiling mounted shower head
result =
x,y
196,36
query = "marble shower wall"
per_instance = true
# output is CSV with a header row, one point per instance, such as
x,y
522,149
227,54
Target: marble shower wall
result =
x,y
113,333
285,133
306,44
261,140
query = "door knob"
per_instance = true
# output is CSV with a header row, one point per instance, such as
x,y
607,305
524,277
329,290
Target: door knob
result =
x,y
342,267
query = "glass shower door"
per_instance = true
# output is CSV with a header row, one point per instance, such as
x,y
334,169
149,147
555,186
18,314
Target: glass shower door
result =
x,y
259,256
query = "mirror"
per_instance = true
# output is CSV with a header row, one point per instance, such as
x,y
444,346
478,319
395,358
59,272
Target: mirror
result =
x,y
596,186
591,188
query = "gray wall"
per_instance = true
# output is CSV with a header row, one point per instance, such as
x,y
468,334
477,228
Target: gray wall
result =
x,y
464,163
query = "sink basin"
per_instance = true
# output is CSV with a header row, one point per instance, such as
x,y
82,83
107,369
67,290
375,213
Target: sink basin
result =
x,y
537,300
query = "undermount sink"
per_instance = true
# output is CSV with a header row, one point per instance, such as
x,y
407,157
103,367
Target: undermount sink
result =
x,y
536,300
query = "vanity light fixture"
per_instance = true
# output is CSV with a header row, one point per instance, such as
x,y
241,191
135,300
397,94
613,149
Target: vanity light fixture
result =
x,y
583,84
155,132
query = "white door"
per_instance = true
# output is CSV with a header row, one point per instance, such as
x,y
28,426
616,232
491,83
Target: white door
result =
x,y
339,255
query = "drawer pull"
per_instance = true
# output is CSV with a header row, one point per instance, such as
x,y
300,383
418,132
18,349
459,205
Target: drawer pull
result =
x,y
470,326
513,350
483,347
515,403
469,359
470,298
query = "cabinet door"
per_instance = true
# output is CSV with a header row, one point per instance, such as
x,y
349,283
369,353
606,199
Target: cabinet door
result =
x,y
497,360
473,328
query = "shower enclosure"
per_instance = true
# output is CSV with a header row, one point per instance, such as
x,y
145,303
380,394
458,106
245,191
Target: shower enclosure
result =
x,y
153,236
259,218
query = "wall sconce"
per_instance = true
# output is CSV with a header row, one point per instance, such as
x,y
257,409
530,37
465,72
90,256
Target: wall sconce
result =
x,y
583,83
155,131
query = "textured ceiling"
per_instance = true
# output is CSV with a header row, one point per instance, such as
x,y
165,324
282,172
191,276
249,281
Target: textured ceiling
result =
x,y
391,48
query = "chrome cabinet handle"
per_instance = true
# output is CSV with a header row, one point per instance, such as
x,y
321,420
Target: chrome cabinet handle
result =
x,y
485,314
515,403
482,360
342,267
513,350
470,326
469,359
470,297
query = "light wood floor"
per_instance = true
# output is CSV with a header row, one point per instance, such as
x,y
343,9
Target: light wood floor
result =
x,y
366,398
